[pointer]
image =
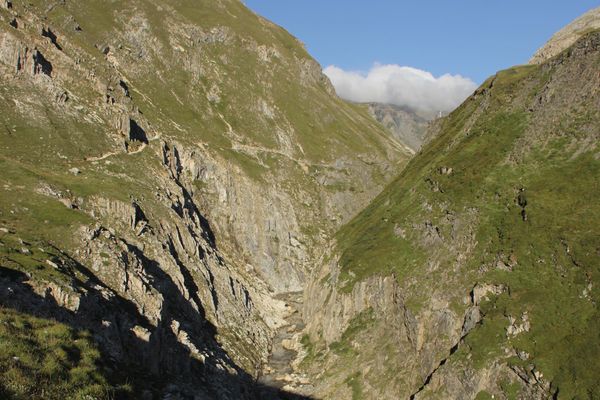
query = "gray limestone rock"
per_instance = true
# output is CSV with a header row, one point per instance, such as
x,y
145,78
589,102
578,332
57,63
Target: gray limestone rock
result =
x,y
567,36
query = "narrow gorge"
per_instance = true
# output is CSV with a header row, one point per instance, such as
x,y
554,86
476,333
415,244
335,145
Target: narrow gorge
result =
x,y
189,211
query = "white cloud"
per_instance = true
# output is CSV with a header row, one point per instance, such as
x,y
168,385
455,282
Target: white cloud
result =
x,y
403,86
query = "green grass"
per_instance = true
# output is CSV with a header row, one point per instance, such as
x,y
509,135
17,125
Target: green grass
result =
x,y
483,395
484,343
371,235
43,359
510,389
40,260
33,214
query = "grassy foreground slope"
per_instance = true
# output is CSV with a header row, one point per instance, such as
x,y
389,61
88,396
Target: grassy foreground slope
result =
x,y
506,197
43,359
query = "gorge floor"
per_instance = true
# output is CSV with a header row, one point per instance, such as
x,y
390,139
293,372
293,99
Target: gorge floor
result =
x,y
280,372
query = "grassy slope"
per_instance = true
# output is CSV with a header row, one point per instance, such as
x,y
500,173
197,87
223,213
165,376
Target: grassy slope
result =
x,y
326,128
43,359
555,251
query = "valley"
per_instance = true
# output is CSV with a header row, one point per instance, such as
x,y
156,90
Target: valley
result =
x,y
189,211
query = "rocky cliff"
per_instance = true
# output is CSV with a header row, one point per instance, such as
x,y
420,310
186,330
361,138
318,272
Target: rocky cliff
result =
x,y
168,169
474,274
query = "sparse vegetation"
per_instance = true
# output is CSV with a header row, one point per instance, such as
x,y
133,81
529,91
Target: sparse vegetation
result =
x,y
359,323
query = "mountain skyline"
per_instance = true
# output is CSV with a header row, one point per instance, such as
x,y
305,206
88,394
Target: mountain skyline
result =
x,y
382,53
467,38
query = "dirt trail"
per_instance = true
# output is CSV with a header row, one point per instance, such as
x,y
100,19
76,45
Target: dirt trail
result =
x,y
114,153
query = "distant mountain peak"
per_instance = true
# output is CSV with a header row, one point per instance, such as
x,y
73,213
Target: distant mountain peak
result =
x,y
406,125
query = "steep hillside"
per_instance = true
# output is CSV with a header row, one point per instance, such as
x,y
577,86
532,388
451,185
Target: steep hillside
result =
x,y
406,125
167,169
475,274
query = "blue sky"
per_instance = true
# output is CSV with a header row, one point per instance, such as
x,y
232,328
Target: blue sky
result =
x,y
473,38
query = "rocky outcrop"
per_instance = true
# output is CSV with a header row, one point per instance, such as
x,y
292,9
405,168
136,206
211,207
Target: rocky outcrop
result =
x,y
567,36
422,340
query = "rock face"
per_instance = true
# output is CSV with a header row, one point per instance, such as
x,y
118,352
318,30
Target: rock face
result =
x,y
567,36
406,125
456,281
168,171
